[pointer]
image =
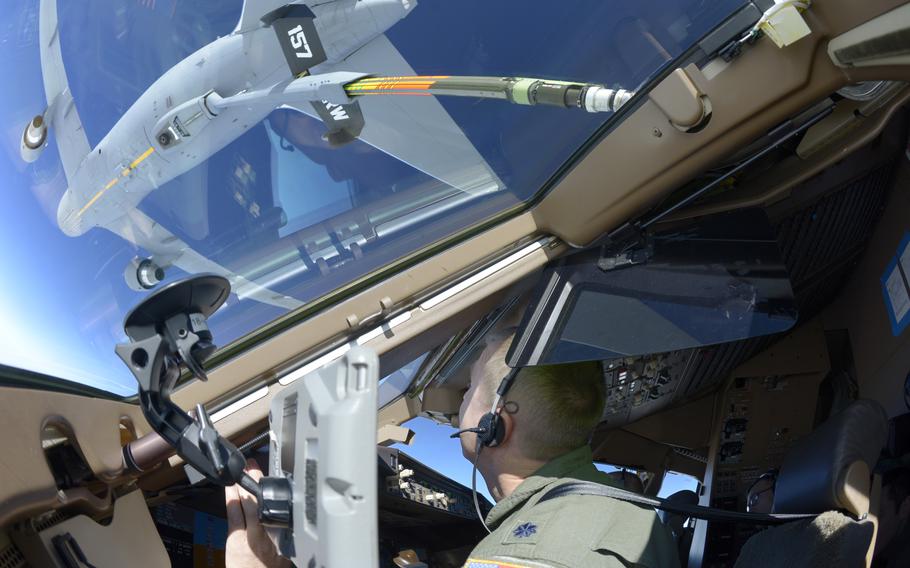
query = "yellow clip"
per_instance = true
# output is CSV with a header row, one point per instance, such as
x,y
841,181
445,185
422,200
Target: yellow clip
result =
x,y
783,22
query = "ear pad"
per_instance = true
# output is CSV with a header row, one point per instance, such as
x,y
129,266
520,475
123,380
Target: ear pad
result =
x,y
493,432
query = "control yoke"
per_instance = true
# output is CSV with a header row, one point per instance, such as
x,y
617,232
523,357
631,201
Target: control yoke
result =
x,y
315,516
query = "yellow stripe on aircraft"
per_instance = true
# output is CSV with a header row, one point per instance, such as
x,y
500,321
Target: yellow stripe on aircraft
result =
x,y
141,158
123,173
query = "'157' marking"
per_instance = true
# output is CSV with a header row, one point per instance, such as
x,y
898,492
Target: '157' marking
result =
x,y
299,42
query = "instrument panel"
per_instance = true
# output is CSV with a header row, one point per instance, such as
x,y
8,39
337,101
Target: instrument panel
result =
x,y
404,479
639,386
762,417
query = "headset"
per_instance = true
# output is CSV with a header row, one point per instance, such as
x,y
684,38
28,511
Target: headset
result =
x,y
489,430
490,434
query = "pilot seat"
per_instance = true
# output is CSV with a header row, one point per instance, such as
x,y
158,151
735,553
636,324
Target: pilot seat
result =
x,y
828,473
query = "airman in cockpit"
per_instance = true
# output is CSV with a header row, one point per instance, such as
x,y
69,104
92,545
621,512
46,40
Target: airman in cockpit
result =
x,y
539,442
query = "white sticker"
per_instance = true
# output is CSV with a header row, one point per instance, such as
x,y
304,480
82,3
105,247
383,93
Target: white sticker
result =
x,y
897,293
197,323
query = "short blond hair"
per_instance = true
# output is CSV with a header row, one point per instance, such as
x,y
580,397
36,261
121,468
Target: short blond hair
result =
x,y
558,405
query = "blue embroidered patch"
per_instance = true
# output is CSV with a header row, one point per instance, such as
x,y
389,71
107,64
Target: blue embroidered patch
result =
x,y
525,530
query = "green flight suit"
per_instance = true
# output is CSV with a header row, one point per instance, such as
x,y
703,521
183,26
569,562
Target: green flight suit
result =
x,y
574,530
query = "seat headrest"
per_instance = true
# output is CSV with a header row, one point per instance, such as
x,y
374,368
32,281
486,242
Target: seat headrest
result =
x,y
812,476
675,521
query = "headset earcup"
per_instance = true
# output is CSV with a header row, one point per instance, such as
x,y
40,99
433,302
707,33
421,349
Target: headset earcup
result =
x,y
493,432
484,424
497,430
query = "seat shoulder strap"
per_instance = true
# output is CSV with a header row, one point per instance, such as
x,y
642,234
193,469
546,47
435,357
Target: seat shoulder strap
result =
x,y
695,511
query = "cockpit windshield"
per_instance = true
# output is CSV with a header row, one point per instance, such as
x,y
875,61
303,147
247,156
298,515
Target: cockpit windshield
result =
x,y
293,149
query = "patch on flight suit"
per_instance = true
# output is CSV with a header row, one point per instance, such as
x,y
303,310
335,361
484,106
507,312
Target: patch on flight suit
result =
x,y
481,563
523,532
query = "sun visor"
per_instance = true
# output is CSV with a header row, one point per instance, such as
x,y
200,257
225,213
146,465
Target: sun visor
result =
x,y
699,282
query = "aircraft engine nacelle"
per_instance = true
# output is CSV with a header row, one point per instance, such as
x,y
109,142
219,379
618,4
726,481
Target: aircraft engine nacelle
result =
x,y
34,139
142,274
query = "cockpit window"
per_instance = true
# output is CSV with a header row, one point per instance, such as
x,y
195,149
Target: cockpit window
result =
x,y
147,140
394,385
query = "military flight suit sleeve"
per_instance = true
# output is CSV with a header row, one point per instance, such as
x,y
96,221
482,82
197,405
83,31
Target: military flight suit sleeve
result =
x,y
578,531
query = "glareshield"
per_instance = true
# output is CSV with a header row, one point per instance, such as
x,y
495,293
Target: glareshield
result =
x,y
705,281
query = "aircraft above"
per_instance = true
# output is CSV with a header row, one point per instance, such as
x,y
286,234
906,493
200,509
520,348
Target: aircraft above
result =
x,y
352,123
164,133
211,98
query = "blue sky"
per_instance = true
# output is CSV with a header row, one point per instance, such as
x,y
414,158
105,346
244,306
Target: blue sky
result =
x,y
63,299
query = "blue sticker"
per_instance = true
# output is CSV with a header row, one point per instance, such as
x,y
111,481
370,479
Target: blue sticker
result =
x,y
896,287
525,530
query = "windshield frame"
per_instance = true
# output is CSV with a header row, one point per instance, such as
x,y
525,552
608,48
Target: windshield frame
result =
x,y
14,377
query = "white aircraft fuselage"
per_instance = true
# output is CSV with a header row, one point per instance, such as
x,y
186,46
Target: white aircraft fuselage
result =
x,y
131,161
